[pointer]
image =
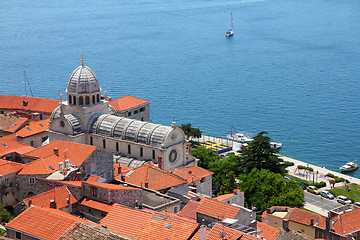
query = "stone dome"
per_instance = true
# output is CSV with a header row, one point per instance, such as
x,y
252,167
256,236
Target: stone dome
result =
x,y
82,81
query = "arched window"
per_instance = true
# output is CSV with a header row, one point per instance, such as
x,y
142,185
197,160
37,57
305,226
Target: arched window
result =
x,y
87,100
153,154
41,116
141,152
74,100
93,99
117,146
70,99
81,100
129,149
104,143
91,141
98,98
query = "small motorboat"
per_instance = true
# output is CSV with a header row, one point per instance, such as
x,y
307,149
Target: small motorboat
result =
x,y
350,166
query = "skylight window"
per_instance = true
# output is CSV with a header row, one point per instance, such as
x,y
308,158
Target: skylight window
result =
x,y
29,129
52,168
129,173
14,124
168,226
41,124
4,144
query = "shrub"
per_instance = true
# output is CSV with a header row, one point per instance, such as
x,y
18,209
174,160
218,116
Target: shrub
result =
x,y
310,169
320,184
330,175
288,164
301,167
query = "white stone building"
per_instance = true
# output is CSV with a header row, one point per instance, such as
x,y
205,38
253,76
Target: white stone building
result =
x,y
87,117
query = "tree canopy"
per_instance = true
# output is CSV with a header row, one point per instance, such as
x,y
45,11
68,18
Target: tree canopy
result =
x,y
264,189
190,131
259,154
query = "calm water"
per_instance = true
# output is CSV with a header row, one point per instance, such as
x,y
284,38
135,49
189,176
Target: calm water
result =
x,y
292,68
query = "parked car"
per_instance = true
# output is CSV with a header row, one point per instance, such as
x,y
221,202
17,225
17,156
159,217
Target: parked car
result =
x,y
302,185
327,194
343,200
357,204
313,189
288,178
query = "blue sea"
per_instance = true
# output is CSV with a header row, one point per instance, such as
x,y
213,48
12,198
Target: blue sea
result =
x,y
291,69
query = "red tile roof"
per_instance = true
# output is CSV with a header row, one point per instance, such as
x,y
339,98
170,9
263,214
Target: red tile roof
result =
x,y
230,233
77,153
219,210
33,104
92,178
34,127
127,102
190,209
158,179
345,223
8,144
304,217
223,197
266,231
111,186
191,173
147,225
45,223
123,169
8,167
11,123
96,205
60,195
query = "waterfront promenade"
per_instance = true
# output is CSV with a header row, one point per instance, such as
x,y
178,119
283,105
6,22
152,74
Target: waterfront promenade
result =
x,y
319,172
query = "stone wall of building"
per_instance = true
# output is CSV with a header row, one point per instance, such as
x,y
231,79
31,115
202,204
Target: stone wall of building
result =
x,y
34,140
100,163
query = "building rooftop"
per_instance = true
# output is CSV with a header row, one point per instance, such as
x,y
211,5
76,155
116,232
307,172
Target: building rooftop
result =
x,y
142,224
33,104
8,167
127,102
230,234
191,173
219,210
224,197
95,204
156,178
61,195
33,127
8,144
44,223
304,217
111,186
266,231
189,209
344,223
11,124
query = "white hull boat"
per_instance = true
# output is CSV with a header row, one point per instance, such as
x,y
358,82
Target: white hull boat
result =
x,y
350,166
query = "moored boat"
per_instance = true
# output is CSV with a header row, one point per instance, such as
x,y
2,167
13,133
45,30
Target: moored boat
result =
x,y
350,166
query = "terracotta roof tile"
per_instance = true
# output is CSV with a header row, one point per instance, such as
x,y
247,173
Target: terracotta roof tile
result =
x,y
96,205
45,223
92,178
223,197
11,124
8,144
8,167
60,195
345,223
123,168
266,231
111,186
142,224
189,209
231,234
219,210
33,104
49,162
191,173
158,179
34,127
127,102
304,217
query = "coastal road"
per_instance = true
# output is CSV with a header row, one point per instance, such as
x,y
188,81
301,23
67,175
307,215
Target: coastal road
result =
x,y
320,202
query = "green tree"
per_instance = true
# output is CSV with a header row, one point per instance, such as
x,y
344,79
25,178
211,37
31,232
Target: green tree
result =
x,y
205,156
190,131
264,189
5,216
259,154
229,185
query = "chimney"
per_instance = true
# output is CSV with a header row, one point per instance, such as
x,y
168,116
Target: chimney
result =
x,y
311,222
56,151
122,178
119,169
268,211
203,230
61,167
52,204
78,176
285,225
36,116
146,184
190,171
136,204
160,162
67,164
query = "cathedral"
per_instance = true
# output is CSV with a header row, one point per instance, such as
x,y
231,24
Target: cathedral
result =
x,y
87,117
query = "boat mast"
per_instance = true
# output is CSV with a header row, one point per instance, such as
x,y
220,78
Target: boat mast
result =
x,y
232,22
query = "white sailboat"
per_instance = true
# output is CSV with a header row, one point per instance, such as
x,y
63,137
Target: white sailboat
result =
x,y
230,32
